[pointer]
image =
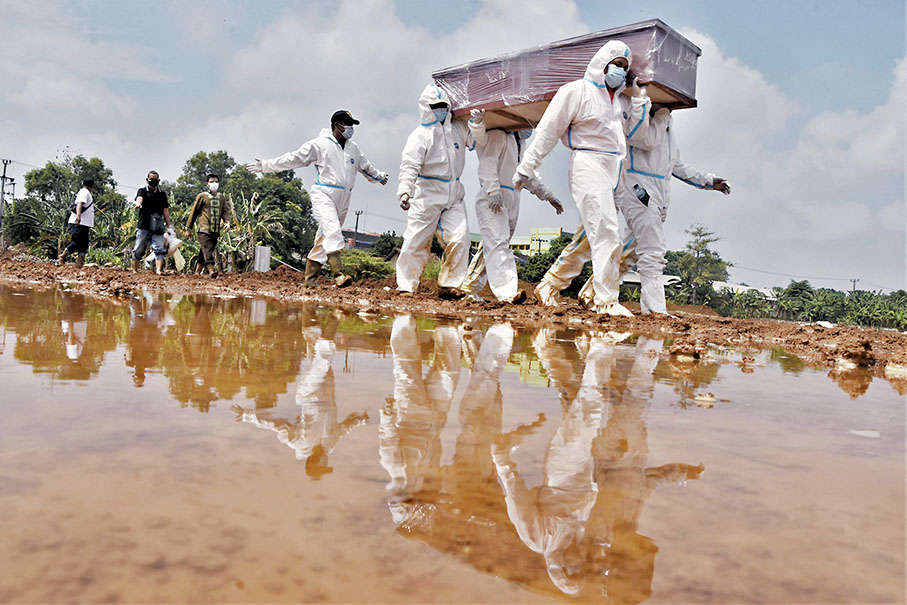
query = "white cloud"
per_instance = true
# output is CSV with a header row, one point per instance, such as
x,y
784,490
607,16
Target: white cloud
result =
x,y
812,190
71,95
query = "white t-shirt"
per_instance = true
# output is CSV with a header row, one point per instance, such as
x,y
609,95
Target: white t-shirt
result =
x,y
84,196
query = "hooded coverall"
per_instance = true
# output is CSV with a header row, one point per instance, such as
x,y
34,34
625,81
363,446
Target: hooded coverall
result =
x,y
494,262
595,124
430,169
336,169
651,171
651,161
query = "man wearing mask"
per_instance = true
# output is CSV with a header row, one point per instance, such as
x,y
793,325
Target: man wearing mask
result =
x,y
591,118
210,210
81,221
497,210
154,217
429,189
337,160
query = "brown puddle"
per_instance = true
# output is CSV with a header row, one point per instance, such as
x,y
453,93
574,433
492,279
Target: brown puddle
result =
x,y
201,449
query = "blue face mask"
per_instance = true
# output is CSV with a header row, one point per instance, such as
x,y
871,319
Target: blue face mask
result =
x,y
524,134
440,113
615,76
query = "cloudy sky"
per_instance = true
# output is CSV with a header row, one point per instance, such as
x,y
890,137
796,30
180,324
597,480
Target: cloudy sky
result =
x,y
801,105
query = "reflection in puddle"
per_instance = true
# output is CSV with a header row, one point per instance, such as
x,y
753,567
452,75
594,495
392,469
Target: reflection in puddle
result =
x,y
512,464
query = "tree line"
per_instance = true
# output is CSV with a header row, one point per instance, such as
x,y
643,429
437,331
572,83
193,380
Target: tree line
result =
x,y
280,218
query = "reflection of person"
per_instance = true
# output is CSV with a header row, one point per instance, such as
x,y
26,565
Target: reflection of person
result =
x,y
592,119
619,557
409,439
480,409
154,216
80,224
337,160
550,519
497,210
145,336
429,189
315,432
210,210
74,326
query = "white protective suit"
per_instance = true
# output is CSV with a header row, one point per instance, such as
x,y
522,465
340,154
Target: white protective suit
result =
x,y
551,518
336,169
494,262
651,170
409,431
596,127
315,428
430,169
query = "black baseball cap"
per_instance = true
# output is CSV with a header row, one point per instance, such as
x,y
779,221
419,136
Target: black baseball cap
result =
x,y
344,117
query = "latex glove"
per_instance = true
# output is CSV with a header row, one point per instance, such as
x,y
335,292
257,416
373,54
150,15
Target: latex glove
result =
x,y
520,180
382,177
477,116
556,204
496,202
721,185
639,91
404,201
255,166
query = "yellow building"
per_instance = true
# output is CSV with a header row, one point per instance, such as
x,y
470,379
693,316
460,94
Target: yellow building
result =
x,y
539,240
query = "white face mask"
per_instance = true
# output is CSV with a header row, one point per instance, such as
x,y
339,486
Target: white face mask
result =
x,y
213,186
347,132
615,76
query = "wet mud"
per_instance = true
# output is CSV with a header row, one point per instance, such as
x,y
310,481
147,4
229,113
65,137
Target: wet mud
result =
x,y
843,349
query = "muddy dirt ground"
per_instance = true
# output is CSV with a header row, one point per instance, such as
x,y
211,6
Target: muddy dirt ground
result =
x,y
842,348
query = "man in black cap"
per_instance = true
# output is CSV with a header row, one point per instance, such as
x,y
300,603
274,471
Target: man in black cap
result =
x,y
337,159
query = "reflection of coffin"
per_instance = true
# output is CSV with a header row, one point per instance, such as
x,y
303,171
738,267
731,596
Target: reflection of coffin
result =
x,y
515,89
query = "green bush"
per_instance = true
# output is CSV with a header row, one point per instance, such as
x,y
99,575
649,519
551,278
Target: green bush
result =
x,y
362,265
432,268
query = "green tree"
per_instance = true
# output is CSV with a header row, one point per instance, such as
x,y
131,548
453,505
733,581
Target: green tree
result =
x,y
281,217
672,262
538,264
825,305
39,219
795,299
386,243
700,265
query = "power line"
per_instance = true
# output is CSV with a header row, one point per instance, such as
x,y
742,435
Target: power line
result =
x,y
389,218
791,275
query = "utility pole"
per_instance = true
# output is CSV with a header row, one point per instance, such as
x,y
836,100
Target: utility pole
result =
x,y
854,282
356,235
3,202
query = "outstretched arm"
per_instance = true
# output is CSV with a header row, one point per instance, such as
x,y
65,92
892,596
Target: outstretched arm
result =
x,y
303,156
370,172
